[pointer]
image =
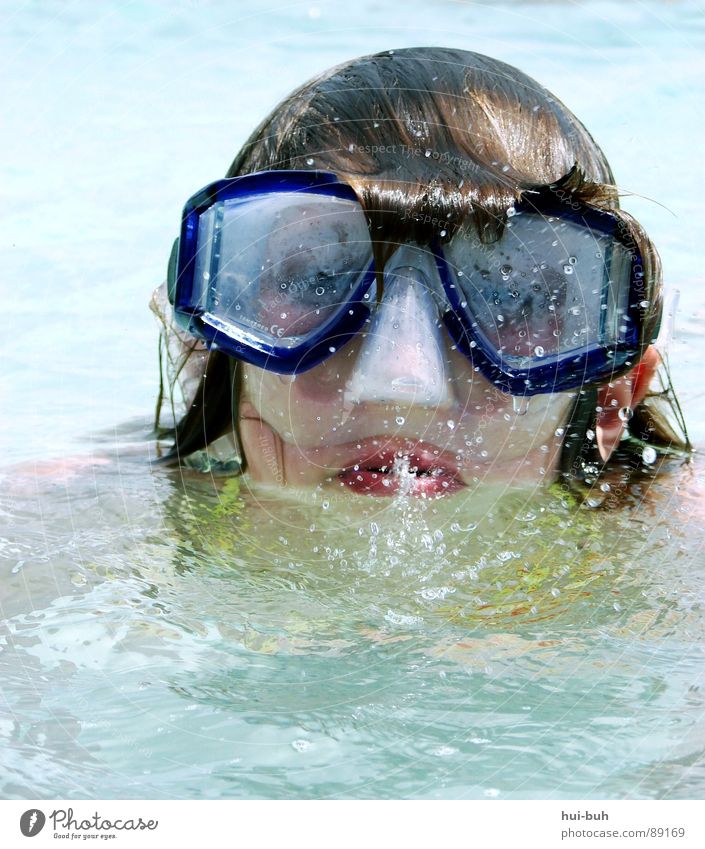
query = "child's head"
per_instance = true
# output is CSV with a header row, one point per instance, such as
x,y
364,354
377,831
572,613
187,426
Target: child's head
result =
x,y
455,174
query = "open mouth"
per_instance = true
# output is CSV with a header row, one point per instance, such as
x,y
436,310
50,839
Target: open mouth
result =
x,y
417,472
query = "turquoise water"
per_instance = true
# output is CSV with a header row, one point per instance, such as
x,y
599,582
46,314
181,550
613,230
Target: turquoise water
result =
x,y
174,636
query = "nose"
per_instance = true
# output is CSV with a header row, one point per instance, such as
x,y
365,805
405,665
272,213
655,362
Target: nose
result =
x,y
402,359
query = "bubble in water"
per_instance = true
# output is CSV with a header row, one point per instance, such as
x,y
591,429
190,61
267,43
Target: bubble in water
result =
x,y
649,455
539,351
400,420
567,269
573,260
300,745
309,160
511,212
451,424
625,414
320,290
506,270
643,304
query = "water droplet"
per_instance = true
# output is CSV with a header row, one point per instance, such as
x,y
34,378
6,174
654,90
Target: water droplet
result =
x,y
625,414
555,592
309,160
567,269
649,455
644,304
520,404
444,233
505,269
400,420
617,606
325,505
511,212
300,745
539,351
605,487
500,317
428,153
589,435
320,290
451,424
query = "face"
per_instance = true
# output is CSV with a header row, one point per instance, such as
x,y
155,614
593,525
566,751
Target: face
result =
x,y
398,408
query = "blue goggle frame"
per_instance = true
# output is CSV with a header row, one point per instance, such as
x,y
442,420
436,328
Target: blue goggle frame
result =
x,y
593,364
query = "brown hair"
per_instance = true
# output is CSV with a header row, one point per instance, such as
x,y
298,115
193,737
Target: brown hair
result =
x,y
429,138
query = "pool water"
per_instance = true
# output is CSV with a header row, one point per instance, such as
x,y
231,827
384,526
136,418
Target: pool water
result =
x,y
166,634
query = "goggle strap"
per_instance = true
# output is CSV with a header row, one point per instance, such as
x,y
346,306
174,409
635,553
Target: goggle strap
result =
x,y
171,272
581,418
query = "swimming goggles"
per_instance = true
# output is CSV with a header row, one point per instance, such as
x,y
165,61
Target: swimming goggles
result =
x,y
276,269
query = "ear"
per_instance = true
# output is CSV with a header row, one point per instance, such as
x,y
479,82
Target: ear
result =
x,y
627,391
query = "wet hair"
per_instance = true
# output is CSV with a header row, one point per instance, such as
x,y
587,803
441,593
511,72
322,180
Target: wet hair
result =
x,y
431,139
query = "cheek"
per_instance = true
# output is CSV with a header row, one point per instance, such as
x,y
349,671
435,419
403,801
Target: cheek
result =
x,y
284,400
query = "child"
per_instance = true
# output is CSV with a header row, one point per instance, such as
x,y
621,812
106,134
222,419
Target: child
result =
x,y
426,281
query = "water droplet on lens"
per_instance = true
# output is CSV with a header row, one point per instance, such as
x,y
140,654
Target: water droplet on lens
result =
x,y
649,455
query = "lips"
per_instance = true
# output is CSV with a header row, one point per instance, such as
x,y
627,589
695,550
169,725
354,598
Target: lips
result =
x,y
387,467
